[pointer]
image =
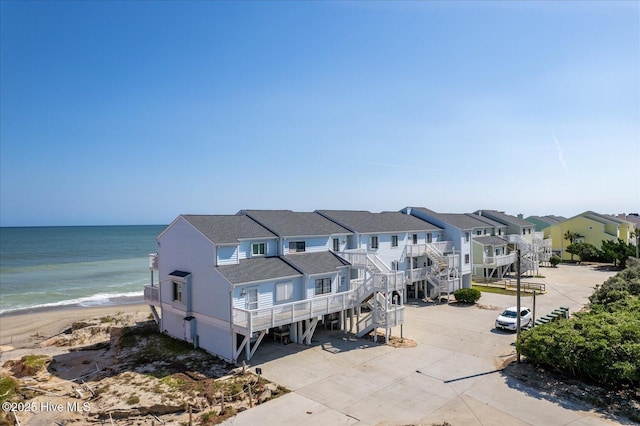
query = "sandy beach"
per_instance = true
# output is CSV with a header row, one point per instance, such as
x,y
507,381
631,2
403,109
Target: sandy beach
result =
x,y
24,330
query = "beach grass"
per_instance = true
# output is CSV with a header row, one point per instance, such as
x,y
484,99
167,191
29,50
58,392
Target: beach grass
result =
x,y
8,388
496,290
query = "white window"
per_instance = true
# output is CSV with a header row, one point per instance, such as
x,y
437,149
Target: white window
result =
x,y
466,259
323,286
394,241
296,246
178,291
258,249
251,298
394,265
284,292
374,242
466,236
429,238
415,238
478,232
336,244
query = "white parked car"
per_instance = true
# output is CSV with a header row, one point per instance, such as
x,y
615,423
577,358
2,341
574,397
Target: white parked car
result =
x,y
507,319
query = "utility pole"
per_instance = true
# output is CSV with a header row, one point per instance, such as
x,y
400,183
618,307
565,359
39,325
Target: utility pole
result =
x,y
518,304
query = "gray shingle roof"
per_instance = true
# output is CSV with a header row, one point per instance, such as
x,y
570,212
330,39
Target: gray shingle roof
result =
x,y
603,217
491,240
504,218
367,222
228,229
316,263
464,221
548,219
258,269
486,221
287,223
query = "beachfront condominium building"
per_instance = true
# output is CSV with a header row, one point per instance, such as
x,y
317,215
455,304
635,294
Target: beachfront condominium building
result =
x,y
482,243
402,243
522,235
226,281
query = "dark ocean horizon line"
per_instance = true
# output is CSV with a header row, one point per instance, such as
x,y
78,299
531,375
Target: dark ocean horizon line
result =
x,y
77,226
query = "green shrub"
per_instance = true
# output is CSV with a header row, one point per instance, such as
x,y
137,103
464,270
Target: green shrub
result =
x,y
467,295
555,261
602,344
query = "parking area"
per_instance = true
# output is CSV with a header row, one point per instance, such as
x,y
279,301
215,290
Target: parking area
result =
x,y
452,374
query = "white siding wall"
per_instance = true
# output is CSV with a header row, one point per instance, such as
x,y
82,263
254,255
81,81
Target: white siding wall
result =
x,y
311,244
215,339
353,241
266,293
310,285
182,247
342,242
387,253
227,255
245,250
465,249
483,232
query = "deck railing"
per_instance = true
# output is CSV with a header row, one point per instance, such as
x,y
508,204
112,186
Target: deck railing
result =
x,y
275,316
152,295
392,281
500,260
417,274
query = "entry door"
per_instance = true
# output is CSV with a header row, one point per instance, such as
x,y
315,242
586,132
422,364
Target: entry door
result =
x,y
251,300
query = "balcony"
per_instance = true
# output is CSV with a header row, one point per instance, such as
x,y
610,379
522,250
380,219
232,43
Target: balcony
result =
x,y
495,261
250,321
152,295
439,248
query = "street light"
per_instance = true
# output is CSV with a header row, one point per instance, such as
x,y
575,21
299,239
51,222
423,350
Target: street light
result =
x,y
518,303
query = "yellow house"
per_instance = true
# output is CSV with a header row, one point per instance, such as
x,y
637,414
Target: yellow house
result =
x,y
592,228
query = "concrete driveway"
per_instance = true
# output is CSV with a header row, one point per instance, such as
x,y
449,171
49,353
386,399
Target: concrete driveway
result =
x,y
451,375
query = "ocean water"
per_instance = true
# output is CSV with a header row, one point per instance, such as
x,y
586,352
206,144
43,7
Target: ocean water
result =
x,y
43,267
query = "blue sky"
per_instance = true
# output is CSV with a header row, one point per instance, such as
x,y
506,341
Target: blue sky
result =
x,y
135,112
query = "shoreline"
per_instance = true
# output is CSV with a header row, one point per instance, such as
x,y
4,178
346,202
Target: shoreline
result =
x,y
26,329
116,301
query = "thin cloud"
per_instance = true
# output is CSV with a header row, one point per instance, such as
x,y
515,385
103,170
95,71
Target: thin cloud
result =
x,y
560,155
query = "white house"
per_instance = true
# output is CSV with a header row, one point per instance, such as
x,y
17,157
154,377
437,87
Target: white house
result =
x,y
398,241
522,235
481,242
225,281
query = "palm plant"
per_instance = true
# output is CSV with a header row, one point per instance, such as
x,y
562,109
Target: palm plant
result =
x,y
572,237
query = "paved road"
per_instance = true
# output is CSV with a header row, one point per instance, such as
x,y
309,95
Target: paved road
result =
x,y
449,376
